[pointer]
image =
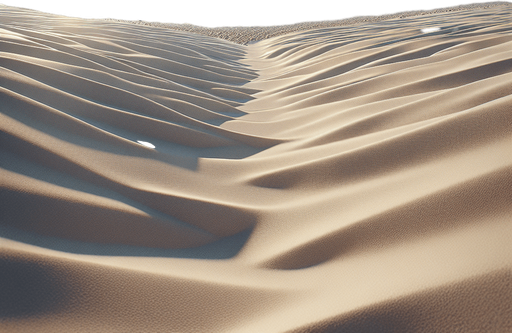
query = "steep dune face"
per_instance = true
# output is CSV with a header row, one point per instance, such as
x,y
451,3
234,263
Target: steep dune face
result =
x,y
349,179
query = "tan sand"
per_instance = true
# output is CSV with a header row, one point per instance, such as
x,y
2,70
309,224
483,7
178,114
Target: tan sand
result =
x,y
348,178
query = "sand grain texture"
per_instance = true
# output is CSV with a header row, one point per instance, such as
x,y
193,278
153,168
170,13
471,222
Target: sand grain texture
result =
x,y
350,178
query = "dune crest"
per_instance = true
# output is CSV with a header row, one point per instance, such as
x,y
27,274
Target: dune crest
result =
x,y
337,179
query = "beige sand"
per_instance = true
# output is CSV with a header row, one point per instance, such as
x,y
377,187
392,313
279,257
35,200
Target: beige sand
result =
x,y
339,179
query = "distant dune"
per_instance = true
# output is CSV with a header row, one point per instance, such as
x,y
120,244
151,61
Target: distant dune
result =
x,y
349,176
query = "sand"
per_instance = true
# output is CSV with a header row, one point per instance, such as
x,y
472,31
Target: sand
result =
x,y
346,178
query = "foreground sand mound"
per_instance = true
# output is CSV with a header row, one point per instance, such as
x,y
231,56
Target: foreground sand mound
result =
x,y
340,179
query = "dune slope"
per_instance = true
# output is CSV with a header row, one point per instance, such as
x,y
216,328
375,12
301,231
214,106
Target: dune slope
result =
x,y
339,179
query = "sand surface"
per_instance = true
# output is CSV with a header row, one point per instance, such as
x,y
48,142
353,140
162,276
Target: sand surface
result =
x,y
348,178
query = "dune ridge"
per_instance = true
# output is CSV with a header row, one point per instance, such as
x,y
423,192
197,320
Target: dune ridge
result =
x,y
331,179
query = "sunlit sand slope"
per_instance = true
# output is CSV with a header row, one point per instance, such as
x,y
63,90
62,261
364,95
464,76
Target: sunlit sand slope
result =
x,y
343,179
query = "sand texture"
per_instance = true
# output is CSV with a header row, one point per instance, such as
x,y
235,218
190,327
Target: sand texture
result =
x,y
351,178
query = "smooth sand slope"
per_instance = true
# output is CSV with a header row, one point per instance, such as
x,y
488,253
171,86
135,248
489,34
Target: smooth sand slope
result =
x,y
342,179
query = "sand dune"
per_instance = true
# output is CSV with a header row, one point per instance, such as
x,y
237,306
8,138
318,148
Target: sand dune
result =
x,y
350,178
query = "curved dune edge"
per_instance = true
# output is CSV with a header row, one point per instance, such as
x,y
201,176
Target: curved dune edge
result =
x,y
344,178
